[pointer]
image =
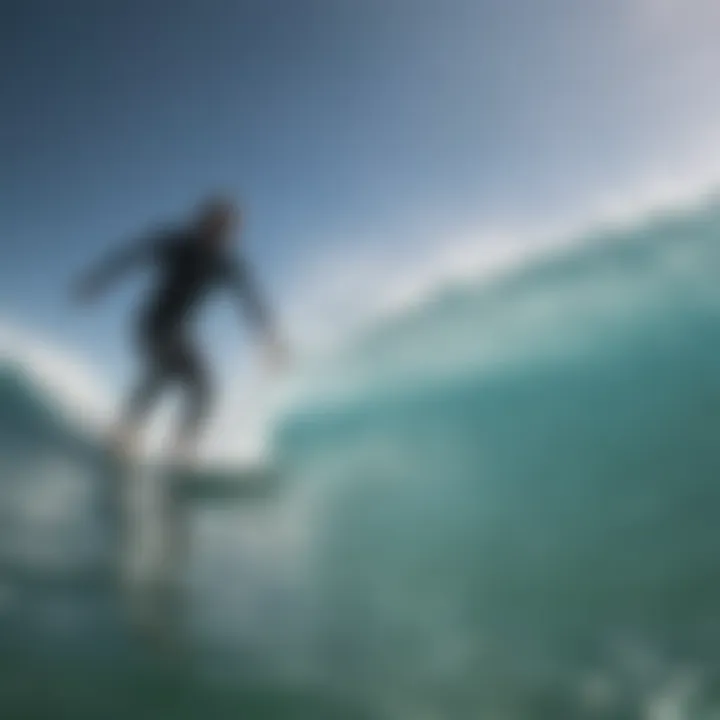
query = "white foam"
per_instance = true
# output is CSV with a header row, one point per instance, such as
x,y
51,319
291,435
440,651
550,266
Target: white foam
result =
x,y
69,381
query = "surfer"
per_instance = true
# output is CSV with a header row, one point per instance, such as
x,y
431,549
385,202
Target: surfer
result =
x,y
191,260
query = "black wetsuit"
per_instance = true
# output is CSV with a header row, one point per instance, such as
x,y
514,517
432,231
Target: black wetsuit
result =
x,y
188,270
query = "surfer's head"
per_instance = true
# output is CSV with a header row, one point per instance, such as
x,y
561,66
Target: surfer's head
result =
x,y
218,218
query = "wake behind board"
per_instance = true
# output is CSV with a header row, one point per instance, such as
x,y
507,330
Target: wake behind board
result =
x,y
136,501
150,507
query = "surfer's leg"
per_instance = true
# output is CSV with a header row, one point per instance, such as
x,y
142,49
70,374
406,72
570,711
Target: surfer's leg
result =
x,y
195,381
141,400
190,373
155,353
144,396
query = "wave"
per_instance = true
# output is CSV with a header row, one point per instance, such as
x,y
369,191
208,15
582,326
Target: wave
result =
x,y
519,481
600,289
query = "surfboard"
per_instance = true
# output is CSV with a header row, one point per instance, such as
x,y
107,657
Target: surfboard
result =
x,y
222,485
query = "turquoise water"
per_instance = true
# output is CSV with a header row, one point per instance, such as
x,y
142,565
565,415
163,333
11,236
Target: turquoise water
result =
x,y
521,487
502,503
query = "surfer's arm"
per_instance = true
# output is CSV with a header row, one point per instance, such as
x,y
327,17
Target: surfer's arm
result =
x,y
251,299
115,265
258,313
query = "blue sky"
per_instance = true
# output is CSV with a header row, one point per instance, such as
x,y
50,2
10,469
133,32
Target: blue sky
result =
x,y
369,140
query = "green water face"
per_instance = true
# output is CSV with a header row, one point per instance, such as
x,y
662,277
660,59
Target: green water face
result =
x,y
527,509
